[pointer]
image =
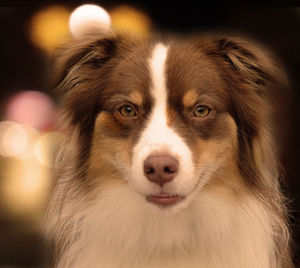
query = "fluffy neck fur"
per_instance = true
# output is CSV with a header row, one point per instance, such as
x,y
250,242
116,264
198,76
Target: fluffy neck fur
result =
x,y
115,230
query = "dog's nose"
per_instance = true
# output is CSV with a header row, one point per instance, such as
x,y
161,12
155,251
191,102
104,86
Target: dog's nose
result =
x,y
160,169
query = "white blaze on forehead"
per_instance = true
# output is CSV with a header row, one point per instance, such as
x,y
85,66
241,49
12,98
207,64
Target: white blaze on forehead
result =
x,y
158,137
158,120
157,128
157,65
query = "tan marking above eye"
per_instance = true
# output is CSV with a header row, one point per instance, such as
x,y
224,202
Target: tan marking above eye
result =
x,y
127,110
201,111
190,97
106,120
136,97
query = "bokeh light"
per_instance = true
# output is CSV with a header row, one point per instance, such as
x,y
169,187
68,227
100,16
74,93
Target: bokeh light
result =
x,y
14,140
31,108
32,135
24,184
27,147
46,146
25,187
49,27
127,19
26,168
88,18
4,126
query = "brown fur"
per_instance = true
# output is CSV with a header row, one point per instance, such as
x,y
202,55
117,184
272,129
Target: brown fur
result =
x,y
230,75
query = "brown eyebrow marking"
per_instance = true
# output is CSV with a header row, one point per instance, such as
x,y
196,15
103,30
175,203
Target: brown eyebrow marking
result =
x,y
190,97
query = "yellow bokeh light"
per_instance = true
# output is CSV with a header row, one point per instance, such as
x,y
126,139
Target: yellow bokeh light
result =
x,y
46,146
49,27
130,20
25,180
25,187
32,136
4,126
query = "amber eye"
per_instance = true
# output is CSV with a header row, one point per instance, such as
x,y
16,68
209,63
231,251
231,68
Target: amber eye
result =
x,y
201,111
127,111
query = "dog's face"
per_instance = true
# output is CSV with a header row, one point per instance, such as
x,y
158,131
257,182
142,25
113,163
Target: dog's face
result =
x,y
166,126
165,119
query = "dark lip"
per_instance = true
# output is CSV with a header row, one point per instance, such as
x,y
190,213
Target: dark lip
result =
x,y
164,199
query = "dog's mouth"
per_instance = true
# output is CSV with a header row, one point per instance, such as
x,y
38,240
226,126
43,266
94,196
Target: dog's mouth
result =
x,y
164,199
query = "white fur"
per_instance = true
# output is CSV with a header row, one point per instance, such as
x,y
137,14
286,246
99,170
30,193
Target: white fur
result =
x,y
118,232
158,137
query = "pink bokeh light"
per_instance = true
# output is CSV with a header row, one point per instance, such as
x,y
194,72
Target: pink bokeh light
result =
x,y
31,108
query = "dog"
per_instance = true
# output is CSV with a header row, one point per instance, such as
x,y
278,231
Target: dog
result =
x,y
169,159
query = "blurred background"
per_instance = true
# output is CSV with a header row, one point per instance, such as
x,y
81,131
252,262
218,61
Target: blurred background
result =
x,y
28,103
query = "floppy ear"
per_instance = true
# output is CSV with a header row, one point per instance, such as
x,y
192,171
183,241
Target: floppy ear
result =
x,y
80,72
250,73
79,75
91,52
255,66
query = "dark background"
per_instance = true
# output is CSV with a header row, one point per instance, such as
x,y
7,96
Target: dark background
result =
x,y
25,66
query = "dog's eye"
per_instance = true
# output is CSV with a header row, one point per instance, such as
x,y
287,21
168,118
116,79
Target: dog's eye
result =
x,y
127,111
201,111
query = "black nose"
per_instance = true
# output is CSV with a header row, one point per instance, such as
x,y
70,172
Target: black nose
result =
x,y
160,169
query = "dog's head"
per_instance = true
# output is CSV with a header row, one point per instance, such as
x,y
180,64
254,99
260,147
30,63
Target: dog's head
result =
x,y
168,119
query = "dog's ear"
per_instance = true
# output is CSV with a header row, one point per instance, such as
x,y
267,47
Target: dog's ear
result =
x,y
250,74
92,52
78,74
253,64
